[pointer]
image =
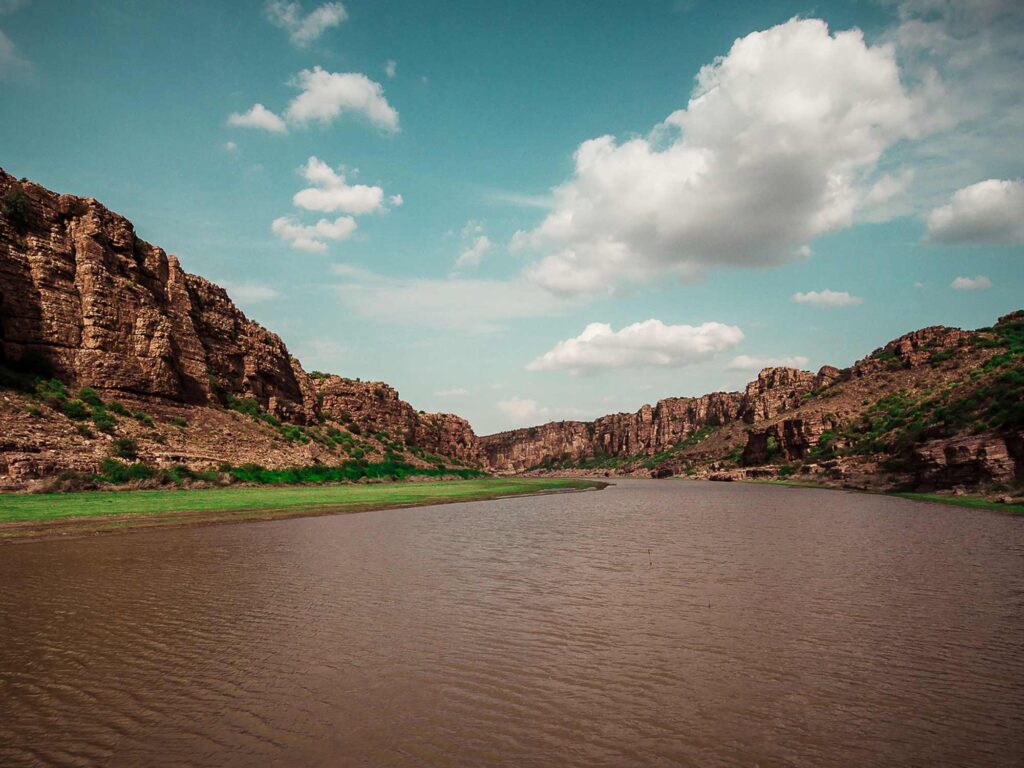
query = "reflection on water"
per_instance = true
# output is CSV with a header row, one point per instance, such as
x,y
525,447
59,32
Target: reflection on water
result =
x,y
766,626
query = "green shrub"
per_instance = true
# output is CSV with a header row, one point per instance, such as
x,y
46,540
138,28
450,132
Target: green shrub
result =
x,y
114,471
104,421
90,396
786,470
143,418
115,407
84,431
178,421
125,448
75,410
16,205
33,410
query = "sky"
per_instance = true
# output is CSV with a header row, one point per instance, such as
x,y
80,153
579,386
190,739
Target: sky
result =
x,y
528,211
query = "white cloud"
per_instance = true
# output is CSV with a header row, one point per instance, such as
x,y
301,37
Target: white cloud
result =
x,y
475,245
827,298
311,237
968,56
473,305
777,146
249,293
471,256
396,200
519,410
12,65
650,343
324,97
748,363
979,283
391,69
519,200
990,211
456,392
322,354
230,146
303,30
259,117
522,412
330,191
327,95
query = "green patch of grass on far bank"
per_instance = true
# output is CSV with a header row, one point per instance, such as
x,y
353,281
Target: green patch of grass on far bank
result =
x,y
50,507
975,502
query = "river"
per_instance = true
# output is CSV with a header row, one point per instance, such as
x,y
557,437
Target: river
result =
x,y
652,623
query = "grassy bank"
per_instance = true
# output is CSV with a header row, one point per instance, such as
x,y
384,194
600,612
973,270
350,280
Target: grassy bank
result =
x,y
62,513
974,502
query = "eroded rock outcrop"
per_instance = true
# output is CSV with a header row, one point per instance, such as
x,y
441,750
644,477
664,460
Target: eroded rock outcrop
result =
x,y
648,431
82,294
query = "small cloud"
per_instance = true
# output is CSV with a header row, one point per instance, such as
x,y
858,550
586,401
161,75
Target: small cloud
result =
x,y
391,69
827,299
324,97
978,283
249,293
331,192
230,146
258,117
475,245
516,199
748,363
990,211
521,412
518,409
456,392
303,30
918,285
310,237
322,354
328,95
650,343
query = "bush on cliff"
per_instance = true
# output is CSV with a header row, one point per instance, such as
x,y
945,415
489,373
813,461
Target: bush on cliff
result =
x,y
16,206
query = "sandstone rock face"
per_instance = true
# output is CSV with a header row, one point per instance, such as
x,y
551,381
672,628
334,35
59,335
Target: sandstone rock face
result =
x,y
775,390
110,311
966,460
786,440
650,430
447,435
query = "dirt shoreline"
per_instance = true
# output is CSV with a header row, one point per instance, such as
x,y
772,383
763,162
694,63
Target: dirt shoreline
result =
x,y
29,531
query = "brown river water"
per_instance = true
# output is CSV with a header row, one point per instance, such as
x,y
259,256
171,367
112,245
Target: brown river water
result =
x,y
653,623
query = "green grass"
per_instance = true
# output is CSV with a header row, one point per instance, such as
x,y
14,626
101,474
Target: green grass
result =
x,y
56,506
973,502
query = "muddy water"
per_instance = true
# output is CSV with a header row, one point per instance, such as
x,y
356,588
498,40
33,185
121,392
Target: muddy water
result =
x,y
654,623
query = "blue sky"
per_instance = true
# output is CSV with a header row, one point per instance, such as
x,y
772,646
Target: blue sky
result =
x,y
813,194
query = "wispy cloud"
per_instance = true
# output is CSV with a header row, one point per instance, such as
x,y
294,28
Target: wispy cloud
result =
x,y
827,299
304,29
978,283
650,343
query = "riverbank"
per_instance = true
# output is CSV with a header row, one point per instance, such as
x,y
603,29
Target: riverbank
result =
x,y
58,515
973,502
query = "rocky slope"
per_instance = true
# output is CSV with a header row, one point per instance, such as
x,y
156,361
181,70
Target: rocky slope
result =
x,y
86,302
938,408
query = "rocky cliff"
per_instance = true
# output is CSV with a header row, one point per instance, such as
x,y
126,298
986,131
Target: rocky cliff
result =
x,y
87,302
652,429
